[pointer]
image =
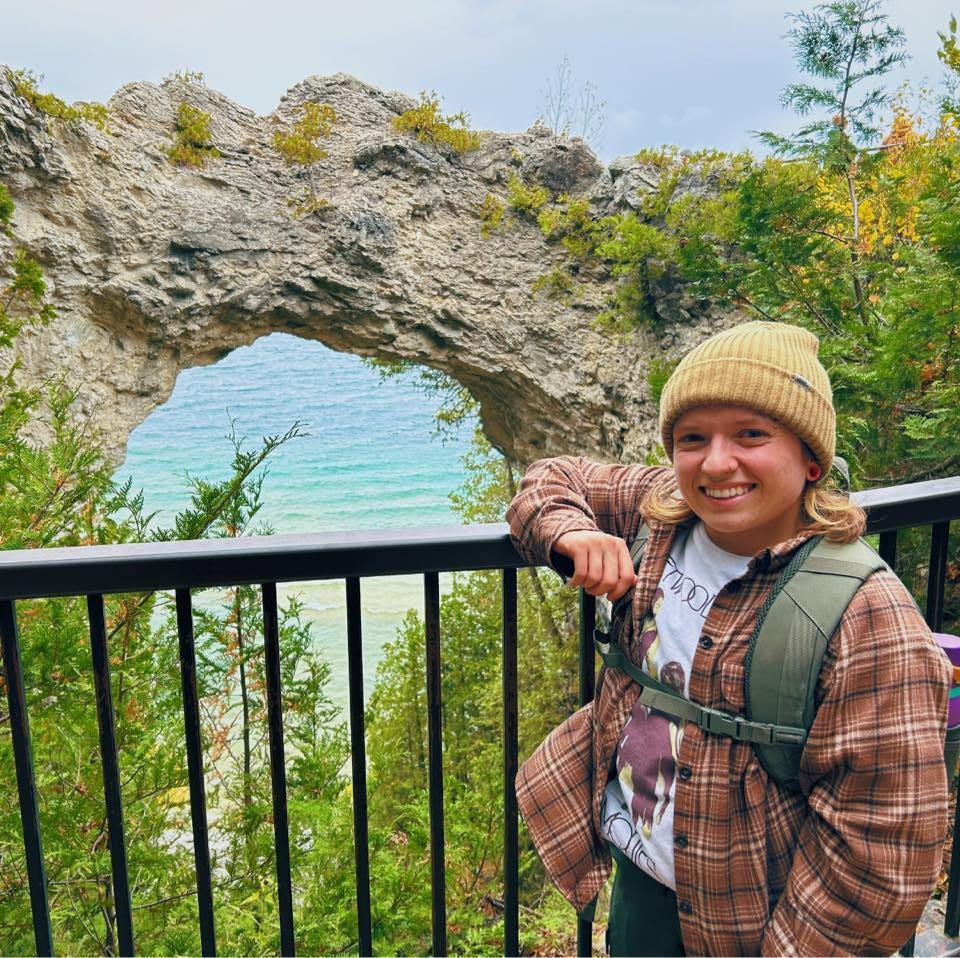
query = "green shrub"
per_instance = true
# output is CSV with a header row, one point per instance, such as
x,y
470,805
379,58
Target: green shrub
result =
x,y
26,84
192,146
6,210
659,370
429,125
300,145
526,200
491,215
572,223
558,285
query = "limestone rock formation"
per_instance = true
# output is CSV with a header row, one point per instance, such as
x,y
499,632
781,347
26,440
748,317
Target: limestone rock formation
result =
x,y
154,268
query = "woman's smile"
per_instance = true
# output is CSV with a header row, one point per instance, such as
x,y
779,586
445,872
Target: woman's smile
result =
x,y
727,493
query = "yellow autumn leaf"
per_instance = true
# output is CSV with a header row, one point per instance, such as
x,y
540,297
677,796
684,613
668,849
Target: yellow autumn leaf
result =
x,y
176,796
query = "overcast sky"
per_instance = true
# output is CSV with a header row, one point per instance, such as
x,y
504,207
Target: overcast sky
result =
x,y
692,72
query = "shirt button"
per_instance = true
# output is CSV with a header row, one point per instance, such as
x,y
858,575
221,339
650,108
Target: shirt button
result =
x,y
685,907
681,841
686,773
706,642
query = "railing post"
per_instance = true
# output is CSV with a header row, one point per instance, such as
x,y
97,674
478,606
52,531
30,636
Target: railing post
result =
x,y
26,782
358,758
278,769
431,594
111,772
937,574
198,798
511,874
588,615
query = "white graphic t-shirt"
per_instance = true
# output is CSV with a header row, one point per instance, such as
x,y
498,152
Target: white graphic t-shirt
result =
x,y
638,803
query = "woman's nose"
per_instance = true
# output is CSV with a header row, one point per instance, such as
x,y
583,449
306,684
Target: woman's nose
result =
x,y
719,459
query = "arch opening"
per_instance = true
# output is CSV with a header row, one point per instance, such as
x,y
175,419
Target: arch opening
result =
x,y
370,460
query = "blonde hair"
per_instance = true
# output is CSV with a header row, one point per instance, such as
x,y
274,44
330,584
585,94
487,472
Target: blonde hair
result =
x,y
826,511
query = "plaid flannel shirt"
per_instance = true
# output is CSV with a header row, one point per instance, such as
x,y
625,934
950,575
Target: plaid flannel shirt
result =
x,y
843,867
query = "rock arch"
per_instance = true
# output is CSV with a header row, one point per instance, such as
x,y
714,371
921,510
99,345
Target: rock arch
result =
x,y
155,268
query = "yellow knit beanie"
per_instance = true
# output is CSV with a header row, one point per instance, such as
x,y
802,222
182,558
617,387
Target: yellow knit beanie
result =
x,y
770,367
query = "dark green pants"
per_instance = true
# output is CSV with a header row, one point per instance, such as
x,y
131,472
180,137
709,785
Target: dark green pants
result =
x,y
643,913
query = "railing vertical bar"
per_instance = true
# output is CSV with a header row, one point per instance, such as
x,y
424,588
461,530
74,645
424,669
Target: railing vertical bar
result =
x,y
431,596
26,781
588,677
358,757
111,772
198,798
511,867
888,548
278,770
937,576
588,614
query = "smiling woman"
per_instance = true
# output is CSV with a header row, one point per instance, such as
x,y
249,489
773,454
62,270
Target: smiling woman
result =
x,y
718,852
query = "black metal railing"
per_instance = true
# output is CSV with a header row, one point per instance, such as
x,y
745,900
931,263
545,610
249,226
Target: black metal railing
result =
x,y
183,566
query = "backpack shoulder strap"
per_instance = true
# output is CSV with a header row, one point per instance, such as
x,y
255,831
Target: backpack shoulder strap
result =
x,y
621,608
790,638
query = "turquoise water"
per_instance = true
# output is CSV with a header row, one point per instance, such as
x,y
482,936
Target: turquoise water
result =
x,y
370,461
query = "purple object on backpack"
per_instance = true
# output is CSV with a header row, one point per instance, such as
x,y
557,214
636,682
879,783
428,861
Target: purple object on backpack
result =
x,y
951,647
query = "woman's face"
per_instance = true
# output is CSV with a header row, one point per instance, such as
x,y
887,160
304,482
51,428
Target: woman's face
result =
x,y
743,474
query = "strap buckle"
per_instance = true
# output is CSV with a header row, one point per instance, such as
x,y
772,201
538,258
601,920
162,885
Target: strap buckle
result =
x,y
784,735
719,723
743,730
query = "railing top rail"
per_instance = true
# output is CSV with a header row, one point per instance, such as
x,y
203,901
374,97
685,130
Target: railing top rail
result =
x,y
84,570
912,504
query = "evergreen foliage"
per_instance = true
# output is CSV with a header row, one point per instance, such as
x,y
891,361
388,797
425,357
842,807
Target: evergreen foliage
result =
x,y
428,124
300,146
192,145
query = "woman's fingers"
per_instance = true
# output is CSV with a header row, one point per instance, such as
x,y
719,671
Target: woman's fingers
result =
x,y
626,577
602,564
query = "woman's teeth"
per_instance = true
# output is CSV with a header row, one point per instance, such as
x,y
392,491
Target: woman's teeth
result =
x,y
726,493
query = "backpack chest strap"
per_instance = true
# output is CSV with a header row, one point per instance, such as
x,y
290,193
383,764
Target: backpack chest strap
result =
x,y
657,695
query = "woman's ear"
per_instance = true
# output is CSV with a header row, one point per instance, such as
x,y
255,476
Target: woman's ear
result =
x,y
814,472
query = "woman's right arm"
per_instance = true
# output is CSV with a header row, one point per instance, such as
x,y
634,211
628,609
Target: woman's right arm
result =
x,y
586,511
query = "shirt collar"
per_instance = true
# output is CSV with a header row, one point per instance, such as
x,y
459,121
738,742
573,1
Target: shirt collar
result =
x,y
774,558
771,559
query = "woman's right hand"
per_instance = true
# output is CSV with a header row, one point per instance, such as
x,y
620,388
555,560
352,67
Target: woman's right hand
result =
x,y
601,563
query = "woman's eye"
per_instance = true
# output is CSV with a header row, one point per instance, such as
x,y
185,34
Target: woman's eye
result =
x,y
753,433
689,437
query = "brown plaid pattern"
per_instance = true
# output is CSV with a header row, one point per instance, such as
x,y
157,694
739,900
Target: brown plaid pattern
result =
x,y
846,866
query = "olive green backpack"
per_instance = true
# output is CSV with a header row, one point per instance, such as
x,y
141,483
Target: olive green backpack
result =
x,y
783,661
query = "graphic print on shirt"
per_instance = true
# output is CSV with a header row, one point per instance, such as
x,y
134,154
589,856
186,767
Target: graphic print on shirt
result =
x,y
691,593
648,748
638,801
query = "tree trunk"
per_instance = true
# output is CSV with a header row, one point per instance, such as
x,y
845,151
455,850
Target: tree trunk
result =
x,y
854,252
